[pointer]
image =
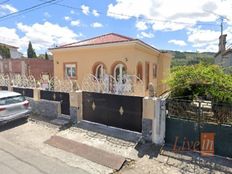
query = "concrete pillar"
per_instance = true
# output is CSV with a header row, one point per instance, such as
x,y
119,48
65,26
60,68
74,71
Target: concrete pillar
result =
x,y
158,122
154,109
10,87
36,94
148,114
76,104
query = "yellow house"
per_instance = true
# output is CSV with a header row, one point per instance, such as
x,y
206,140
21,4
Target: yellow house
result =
x,y
115,55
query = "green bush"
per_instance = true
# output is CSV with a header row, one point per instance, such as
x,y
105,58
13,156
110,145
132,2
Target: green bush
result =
x,y
201,80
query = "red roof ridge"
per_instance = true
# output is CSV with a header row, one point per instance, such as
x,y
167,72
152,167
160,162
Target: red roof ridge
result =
x,y
100,36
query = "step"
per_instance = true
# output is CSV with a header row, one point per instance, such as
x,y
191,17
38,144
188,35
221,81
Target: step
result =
x,y
62,120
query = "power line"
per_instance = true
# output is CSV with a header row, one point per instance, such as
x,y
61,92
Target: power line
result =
x,y
52,2
140,18
37,6
3,2
221,17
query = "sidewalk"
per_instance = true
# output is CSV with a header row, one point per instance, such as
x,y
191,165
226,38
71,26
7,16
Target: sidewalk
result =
x,y
145,158
140,158
155,160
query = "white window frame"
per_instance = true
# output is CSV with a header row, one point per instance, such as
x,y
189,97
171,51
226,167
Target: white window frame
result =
x,y
120,66
71,66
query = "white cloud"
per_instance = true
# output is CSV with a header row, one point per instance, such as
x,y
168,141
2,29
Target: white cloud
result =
x,y
95,13
72,12
96,25
67,18
177,42
169,15
145,35
76,22
85,9
204,39
8,8
45,35
9,36
141,25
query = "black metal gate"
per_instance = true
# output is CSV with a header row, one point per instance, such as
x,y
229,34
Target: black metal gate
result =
x,y
186,120
113,110
57,96
24,91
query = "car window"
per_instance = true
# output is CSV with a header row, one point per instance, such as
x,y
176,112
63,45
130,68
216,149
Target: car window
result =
x,y
12,100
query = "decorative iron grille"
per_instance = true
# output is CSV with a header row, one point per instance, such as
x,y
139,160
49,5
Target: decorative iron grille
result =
x,y
128,85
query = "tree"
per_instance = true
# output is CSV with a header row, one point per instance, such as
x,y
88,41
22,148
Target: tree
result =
x,y
179,55
30,51
46,56
4,52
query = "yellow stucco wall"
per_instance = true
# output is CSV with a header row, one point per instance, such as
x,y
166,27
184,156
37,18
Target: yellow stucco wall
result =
x,y
129,54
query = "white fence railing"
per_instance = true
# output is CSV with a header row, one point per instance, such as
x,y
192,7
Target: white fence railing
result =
x,y
128,85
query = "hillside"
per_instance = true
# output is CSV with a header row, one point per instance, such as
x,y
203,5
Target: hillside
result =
x,y
190,58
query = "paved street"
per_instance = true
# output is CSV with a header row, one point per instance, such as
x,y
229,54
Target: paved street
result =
x,y
16,158
22,150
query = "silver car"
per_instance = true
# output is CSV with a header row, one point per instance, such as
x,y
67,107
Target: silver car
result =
x,y
13,106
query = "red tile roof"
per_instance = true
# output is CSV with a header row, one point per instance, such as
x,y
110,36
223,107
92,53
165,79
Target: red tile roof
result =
x,y
103,39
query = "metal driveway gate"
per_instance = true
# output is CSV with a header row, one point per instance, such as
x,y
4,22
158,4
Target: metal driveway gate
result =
x,y
186,120
62,97
113,110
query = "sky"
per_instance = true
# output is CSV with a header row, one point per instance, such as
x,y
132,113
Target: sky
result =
x,y
183,25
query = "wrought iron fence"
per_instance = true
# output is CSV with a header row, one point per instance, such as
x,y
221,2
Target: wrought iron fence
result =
x,y
55,84
51,84
200,111
4,80
128,85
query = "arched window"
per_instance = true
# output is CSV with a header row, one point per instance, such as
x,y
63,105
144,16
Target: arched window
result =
x,y
119,71
99,71
140,70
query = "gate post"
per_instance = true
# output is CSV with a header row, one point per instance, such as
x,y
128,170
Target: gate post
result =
x,y
155,111
76,105
158,122
36,94
148,115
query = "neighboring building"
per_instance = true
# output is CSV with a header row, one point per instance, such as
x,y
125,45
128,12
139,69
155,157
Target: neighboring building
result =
x,y
15,54
35,67
224,56
115,55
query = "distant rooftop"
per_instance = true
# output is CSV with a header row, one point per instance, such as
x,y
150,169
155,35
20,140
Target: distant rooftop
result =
x,y
11,46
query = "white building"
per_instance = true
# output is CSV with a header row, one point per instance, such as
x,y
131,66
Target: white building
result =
x,y
15,54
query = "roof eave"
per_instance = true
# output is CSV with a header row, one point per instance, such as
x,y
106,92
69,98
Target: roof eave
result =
x,y
135,41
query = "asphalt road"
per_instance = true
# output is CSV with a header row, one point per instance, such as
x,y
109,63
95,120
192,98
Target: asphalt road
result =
x,y
16,159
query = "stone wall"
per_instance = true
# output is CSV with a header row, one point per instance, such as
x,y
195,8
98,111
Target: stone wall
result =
x,y
45,108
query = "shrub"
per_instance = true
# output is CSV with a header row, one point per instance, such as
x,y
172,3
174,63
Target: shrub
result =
x,y
201,80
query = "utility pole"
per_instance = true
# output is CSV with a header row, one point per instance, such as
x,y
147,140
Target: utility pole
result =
x,y
222,19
